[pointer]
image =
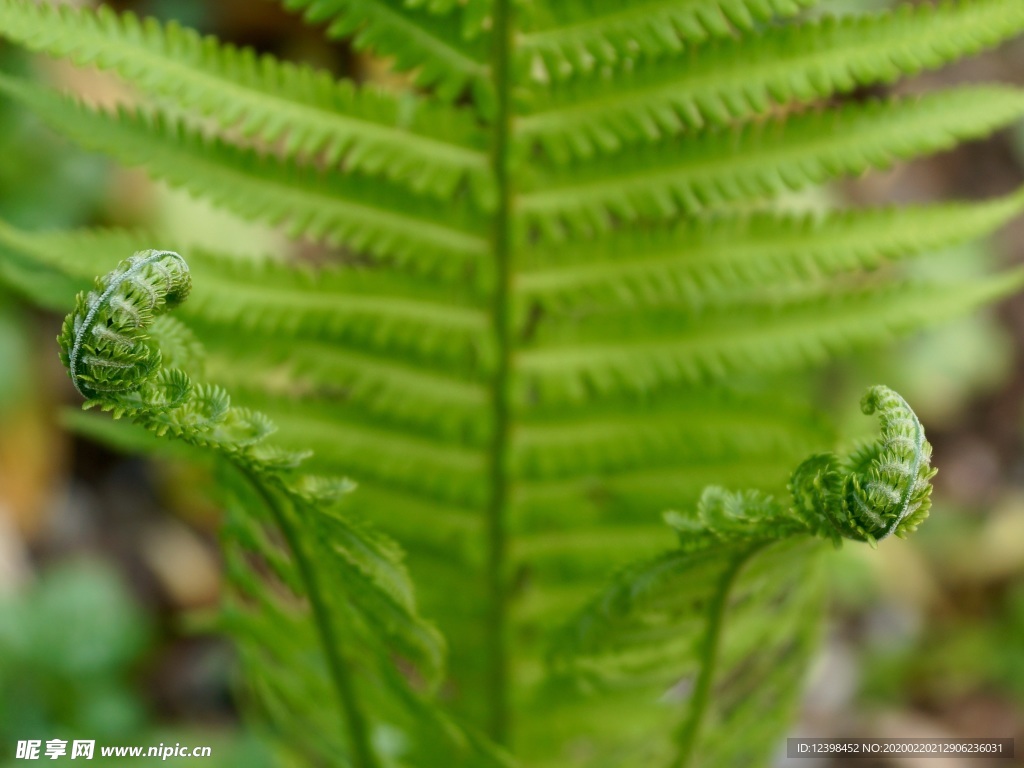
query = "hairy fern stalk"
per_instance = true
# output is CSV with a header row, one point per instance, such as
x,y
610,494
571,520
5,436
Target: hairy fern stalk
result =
x,y
572,293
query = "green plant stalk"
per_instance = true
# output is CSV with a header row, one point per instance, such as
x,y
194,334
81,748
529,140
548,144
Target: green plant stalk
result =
x,y
690,730
498,725
355,724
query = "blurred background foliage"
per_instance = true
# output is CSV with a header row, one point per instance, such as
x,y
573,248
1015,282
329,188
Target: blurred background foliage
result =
x,y
109,569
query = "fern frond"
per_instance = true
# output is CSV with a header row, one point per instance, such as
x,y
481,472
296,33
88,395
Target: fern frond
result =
x,y
685,428
728,611
411,141
361,605
650,664
425,466
443,533
285,674
576,36
364,214
736,77
105,346
401,394
435,46
626,497
696,260
382,323
655,349
555,557
758,161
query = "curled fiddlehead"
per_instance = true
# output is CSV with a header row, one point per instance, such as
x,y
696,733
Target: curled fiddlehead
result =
x,y
104,342
880,489
125,354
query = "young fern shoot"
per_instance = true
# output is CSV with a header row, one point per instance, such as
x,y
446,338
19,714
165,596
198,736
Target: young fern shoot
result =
x,y
880,489
122,352
726,621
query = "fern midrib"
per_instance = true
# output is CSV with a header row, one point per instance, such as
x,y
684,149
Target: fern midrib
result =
x,y
498,725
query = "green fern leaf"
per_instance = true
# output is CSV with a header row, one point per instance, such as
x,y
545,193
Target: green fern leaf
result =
x,y
354,309
723,624
574,36
428,467
699,260
446,55
621,435
718,167
61,264
645,352
410,141
359,312
736,77
392,392
347,209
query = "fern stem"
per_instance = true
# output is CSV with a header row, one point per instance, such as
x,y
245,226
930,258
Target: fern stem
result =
x,y
355,724
496,621
690,730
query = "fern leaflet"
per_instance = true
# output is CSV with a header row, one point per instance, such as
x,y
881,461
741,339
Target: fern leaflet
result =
x,y
338,209
434,44
566,38
726,166
701,259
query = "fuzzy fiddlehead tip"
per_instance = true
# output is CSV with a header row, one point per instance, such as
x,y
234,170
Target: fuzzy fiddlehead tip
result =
x,y
881,489
106,343
125,354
